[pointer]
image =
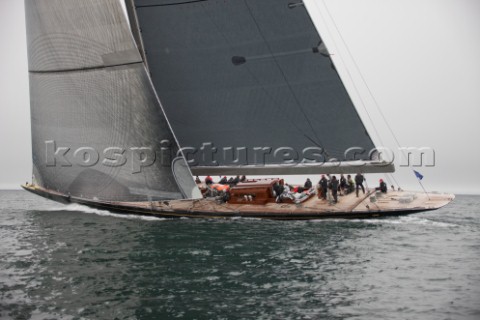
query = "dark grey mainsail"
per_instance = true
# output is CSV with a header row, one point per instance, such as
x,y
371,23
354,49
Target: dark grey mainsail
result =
x,y
249,87
98,130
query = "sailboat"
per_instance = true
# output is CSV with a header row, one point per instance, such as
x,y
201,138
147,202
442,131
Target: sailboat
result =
x,y
126,108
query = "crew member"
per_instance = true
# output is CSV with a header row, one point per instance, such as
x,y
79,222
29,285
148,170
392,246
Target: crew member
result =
x,y
334,186
278,188
351,184
343,184
382,187
359,178
208,180
236,180
223,180
323,186
308,184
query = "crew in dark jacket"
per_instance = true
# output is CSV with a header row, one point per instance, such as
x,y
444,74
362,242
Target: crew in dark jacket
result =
x,y
308,184
208,180
236,180
334,186
278,188
223,180
359,182
382,187
323,186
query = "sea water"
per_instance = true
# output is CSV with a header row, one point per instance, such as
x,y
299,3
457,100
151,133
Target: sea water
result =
x,y
73,262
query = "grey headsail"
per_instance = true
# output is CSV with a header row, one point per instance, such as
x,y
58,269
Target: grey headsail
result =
x,y
98,130
249,87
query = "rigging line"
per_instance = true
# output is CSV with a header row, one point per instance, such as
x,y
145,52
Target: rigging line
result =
x,y
284,76
351,77
256,79
388,177
362,77
377,106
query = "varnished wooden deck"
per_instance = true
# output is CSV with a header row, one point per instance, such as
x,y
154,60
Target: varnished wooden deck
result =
x,y
390,202
348,206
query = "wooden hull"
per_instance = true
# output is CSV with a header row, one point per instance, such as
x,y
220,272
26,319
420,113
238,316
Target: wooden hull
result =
x,y
395,203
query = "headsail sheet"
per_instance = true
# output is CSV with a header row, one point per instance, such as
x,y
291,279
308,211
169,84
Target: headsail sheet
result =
x,y
248,83
98,130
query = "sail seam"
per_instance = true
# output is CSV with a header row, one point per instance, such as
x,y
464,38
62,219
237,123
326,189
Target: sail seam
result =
x,y
84,69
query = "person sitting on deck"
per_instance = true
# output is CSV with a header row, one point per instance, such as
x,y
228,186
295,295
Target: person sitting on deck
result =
x,y
208,180
223,191
382,187
243,179
223,180
308,184
236,180
287,194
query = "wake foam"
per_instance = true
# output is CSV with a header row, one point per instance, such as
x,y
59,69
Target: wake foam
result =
x,y
75,207
410,220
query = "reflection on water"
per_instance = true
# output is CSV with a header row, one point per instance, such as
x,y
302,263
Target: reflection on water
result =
x,y
72,262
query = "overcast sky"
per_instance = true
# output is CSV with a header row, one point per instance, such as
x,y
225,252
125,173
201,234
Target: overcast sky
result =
x,y
417,61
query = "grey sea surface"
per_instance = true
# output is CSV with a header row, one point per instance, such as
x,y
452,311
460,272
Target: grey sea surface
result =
x,y
73,262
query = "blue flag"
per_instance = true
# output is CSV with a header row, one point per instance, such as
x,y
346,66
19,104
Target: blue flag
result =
x,y
418,175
